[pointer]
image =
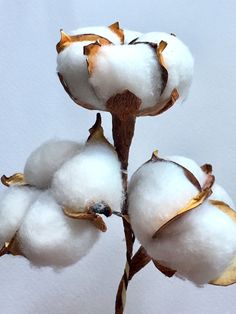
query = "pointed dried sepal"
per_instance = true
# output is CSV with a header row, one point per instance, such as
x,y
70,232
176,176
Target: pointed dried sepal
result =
x,y
139,261
155,157
97,134
11,247
224,208
15,179
160,107
164,72
66,40
95,219
194,203
115,27
228,277
207,168
163,269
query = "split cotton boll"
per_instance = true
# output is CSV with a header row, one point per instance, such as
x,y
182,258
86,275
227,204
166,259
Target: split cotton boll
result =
x,y
192,166
178,61
14,203
93,176
46,159
157,191
128,67
48,238
199,246
72,66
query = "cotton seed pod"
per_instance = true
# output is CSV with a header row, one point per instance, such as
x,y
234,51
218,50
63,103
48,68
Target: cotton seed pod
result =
x,y
200,244
72,64
48,238
178,61
14,204
46,159
91,177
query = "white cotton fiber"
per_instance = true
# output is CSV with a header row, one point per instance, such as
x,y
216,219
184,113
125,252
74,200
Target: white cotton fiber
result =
x,y
130,35
199,246
90,177
156,192
14,203
49,238
132,67
219,194
46,159
178,61
72,65
192,166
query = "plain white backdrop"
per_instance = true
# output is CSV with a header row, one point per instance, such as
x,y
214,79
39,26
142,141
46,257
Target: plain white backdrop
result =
x,y
34,107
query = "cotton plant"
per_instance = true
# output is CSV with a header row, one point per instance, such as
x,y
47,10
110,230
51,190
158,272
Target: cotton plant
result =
x,y
52,213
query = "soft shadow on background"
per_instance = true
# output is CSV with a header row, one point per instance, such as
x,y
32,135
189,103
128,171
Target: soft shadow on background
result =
x,y
34,107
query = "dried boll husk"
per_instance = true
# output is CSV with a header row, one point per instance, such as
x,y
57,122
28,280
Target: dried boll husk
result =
x,y
178,61
46,159
14,204
72,65
91,177
194,245
48,238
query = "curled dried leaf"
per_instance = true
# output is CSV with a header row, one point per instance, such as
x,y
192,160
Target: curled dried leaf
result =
x,y
194,203
115,27
139,261
207,168
66,40
228,277
15,179
224,208
163,269
95,219
160,107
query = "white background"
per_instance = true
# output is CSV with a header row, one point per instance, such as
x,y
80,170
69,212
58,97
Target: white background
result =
x,y
34,107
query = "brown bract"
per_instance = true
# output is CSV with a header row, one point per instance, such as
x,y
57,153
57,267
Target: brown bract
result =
x,y
95,219
115,27
12,247
15,179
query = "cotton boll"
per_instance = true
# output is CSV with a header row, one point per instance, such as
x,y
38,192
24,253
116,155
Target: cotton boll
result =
x,y
199,246
219,194
46,159
157,191
130,35
103,31
178,61
192,166
128,67
72,65
49,238
14,204
90,177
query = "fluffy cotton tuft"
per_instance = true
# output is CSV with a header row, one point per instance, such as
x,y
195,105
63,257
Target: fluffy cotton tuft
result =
x,y
156,192
46,159
130,35
72,65
48,238
92,176
178,61
14,204
192,166
132,67
201,244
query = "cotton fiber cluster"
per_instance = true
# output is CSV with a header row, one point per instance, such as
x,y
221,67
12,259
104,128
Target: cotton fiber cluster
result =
x,y
90,177
46,159
124,60
201,244
59,175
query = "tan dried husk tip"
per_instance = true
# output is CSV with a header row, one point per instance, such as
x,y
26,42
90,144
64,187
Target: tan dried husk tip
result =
x,y
12,247
15,179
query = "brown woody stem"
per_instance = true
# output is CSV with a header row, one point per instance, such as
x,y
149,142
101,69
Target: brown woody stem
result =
x,y
124,108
